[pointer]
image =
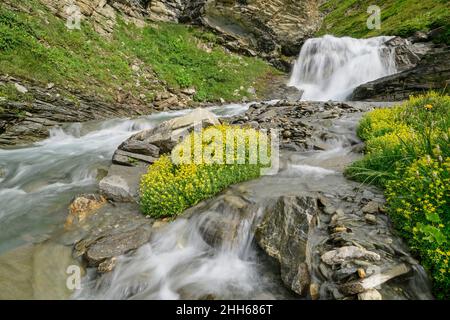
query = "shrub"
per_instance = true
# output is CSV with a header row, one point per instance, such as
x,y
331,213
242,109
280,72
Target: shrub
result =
x,y
407,153
171,185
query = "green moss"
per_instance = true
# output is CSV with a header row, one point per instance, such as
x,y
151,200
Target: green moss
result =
x,y
37,45
398,17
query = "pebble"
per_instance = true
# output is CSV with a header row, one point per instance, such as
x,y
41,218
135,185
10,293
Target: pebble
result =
x,y
370,218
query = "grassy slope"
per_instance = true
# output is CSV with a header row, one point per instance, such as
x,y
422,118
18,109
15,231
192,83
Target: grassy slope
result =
x,y
398,17
37,45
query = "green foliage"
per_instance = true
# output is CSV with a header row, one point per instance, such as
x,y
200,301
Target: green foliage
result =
x,y
398,17
171,186
408,153
38,46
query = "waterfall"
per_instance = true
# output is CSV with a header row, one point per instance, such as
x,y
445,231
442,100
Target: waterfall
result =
x,y
330,68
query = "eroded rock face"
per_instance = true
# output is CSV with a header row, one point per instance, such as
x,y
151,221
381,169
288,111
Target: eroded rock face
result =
x,y
102,12
107,233
432,72
264,27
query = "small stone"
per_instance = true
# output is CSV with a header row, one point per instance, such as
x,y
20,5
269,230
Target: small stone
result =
x,y
107,265
159,224
287,134
361,273
372,207
371,294
370,218
81,207
189,91
314,291
251,91
348,253
50,85
20,88
340,229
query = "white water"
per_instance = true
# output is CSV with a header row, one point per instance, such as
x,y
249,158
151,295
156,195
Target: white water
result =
x,y
37,182
330,68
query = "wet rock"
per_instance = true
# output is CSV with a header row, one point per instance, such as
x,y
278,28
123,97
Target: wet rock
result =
x,y
371,208
432,72
37,272
374,280
370,218
115,245
314,291
107,265
371,294
132,159
361,273
140,147
348,253
81,207
122,183
283,235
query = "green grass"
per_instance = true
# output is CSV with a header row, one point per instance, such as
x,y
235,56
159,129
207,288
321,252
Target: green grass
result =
x,y
408,154
38,46
398,17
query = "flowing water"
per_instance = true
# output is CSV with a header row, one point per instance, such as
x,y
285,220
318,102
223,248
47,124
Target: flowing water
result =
x,y
37,182
179,263
330,68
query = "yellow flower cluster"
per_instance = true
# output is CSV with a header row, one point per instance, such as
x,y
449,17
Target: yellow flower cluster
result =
x,y
408,153
169,188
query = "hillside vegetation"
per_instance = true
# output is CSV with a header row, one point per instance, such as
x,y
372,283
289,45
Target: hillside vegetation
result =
x,y
408,154
398,17
36,45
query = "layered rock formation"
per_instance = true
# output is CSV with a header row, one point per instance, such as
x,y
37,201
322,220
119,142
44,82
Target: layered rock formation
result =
x,y
271,27
421,65
432,72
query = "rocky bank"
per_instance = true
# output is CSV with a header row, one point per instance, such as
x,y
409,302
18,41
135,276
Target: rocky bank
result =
x,y
330,237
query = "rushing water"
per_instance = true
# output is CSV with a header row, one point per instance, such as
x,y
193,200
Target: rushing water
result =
x,y
330,68
179,263
37,182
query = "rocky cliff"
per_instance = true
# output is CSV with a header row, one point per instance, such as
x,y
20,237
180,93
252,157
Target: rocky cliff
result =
x,y
422,67
268,28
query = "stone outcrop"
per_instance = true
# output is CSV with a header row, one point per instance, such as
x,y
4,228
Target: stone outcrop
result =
x,y
270,27
108,232
133,156
283,234
432,72
102,12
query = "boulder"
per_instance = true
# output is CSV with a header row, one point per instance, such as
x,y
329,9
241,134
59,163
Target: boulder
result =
x,y
348,253
115,245
81,207
432,72
122,183
283,235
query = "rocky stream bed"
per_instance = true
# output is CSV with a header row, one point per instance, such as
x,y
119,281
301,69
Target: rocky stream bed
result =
x,y
306,232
